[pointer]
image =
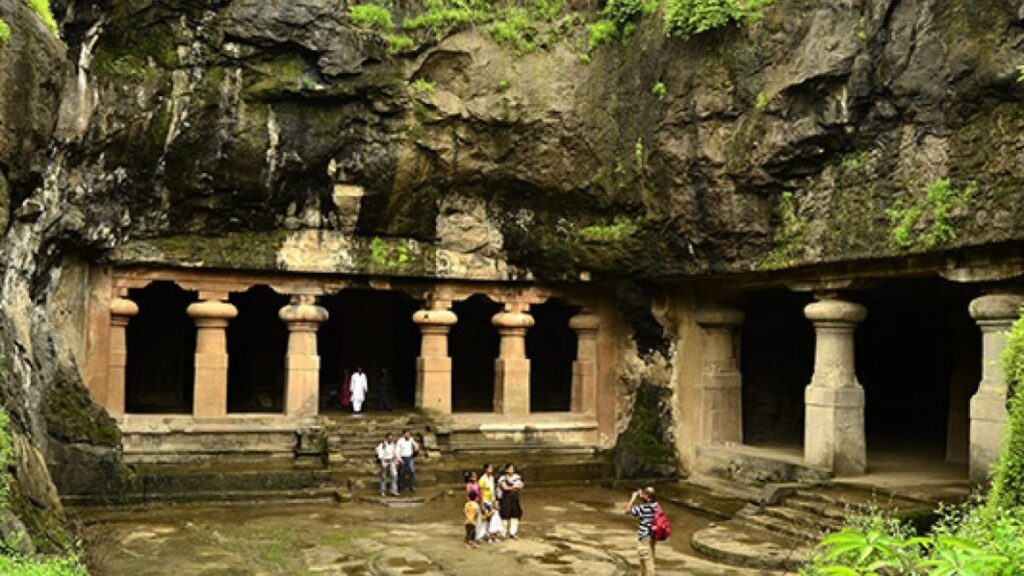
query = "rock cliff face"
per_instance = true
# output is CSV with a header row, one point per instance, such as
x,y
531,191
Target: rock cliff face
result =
x,y
276,134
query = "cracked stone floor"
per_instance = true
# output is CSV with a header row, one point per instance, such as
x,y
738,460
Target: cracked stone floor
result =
x,y
566,531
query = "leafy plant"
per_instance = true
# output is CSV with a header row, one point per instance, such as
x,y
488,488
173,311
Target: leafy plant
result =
x,y
1008,476
49,566
5,32
443,16
1020,72
423,85
515,29
623,12
6,457
686,18
762,102
398,43
371,16
659,90
621,229
638,153
789,238
600,32
42,8
934,212
503,85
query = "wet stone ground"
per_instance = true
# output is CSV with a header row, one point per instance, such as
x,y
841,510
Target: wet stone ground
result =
x,y
566,531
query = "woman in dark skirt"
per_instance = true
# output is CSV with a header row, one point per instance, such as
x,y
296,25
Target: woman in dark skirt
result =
x,y
511,510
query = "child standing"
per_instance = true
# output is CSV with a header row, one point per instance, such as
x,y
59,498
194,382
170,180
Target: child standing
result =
x,y
472,512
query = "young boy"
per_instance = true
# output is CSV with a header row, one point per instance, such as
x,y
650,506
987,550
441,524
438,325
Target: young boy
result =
x,y
472,511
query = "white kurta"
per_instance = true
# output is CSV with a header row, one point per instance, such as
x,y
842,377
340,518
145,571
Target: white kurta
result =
x,y
357,387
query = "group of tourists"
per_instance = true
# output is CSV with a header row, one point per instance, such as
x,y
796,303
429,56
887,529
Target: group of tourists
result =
x,y
355,388
397,461
492,510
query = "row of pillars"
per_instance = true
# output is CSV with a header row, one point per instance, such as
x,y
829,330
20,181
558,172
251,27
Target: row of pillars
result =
x,y
834,430
302,363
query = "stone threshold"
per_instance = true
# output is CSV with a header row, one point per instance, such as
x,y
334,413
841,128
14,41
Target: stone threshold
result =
x,y
164,423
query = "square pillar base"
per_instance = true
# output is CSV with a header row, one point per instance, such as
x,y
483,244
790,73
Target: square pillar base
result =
x,y
722,407
210,396
988,421
303,395
834,430
512,386
434,384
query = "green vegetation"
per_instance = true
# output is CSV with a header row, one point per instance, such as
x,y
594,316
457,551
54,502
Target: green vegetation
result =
x,y
621,229
638,154
1020,72
126,67
6,458
862,29
398,43
659,90
932,213
789,238
623,12
423,85
503,85
42,8
686,18
762,102
600,32
984,538
645,440
854,161
371,16
390,255
11,565
443,16
5,32
515,29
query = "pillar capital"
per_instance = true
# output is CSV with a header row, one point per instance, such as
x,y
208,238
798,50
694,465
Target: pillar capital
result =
x,y
717,316
996,308
435,318
123,308
302,315
833,311
212,313
585,322
512,321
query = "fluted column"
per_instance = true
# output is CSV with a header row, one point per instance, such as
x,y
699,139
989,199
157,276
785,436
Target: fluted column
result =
x,y
512,367
302,363
584,368
834,436
434,366
122,310
210,396
721,383
994,313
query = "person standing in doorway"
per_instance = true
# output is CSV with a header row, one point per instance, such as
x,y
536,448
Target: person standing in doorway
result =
x,y
384,390
387,458
511,484
407,449
358,387
644,506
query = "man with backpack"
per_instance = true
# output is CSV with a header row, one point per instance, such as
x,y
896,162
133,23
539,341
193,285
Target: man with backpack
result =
x,y
652,526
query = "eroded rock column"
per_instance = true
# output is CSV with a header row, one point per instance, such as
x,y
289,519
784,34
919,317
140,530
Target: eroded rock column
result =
x,y
994,313
512,367
122,310
302,363
721,383
584,368
834,401
210,396
434,366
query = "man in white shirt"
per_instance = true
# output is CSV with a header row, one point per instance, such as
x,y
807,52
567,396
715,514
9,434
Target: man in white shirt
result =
x,y
387,457
406,448
357,389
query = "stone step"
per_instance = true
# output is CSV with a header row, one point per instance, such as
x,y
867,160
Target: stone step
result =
x,y
745,546
776,525
802,518
832,512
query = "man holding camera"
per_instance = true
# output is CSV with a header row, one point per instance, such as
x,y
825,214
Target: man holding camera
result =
x,y
643,506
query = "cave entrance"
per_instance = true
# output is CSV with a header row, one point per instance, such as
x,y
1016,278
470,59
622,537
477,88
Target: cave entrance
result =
x,y
777,360
918,357
257,341
474,344
161,342
551,348
372,330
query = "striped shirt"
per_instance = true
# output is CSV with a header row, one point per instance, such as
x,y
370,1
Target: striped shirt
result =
x,y
645,514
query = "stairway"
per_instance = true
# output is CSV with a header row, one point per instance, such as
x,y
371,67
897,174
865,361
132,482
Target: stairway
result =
x,y
780,536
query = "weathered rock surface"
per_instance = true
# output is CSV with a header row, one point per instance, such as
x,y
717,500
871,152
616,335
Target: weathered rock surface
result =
x,y
236,133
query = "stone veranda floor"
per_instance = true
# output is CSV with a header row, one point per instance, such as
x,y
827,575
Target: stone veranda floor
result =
x,y
566,531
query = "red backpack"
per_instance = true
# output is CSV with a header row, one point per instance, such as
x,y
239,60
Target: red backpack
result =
x,y
662,526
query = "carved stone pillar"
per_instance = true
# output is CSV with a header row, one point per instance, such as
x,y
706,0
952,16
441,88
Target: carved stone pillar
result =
x,y
434,366
721,383
302,363
584,368
834,436
512,367
122,310
210,395
994,313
